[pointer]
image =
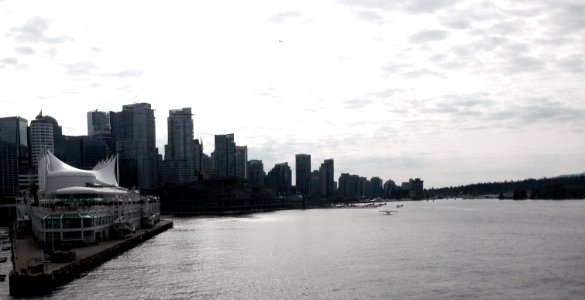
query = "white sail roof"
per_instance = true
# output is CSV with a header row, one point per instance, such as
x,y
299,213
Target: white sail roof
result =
x,y
55,174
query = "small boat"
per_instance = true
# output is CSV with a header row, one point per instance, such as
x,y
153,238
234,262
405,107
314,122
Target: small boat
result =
x,y
5,248
3,259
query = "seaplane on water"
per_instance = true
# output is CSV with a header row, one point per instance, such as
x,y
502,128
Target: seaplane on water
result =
x,y
388,212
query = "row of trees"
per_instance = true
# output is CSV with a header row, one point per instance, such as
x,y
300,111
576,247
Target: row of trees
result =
x,y
567,187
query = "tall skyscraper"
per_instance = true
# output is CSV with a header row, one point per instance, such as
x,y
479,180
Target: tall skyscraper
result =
x,y
303,174
327,182
225,156
134,139
242,161
14,157
315,183
198,156
377,186
179,164
45,133
256,172
99,127
280,179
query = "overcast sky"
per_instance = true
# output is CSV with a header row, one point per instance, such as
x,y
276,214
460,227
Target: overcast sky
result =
x,y
453,92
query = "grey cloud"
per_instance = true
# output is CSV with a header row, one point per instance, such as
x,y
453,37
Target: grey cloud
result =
x,y
427,6
283,16
10,61
389,93
422,73
126,73
460,106
508,27
457,23
572,63
568,17
428,36
412,6
357,103
522,64
34,31
80,68
538,112
25,50
369,15
394,67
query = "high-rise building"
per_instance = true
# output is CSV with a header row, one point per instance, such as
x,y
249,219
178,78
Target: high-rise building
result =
x,y
224,156
179,164
327,182
280,179
45,133
416,189
242,161
389,186
315,183
83,152
256,172
376,186
303,174
14,155
134,139
99,127
198,150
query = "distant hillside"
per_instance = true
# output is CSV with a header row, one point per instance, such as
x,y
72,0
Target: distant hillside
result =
x,y
573,175
562,187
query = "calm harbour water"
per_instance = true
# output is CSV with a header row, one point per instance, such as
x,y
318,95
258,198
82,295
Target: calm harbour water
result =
x,y
427,250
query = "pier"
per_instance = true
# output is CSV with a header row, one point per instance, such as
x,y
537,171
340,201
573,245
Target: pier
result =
x,y
34,275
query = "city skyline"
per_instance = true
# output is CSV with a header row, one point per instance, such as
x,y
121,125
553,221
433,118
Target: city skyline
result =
x,y
453,92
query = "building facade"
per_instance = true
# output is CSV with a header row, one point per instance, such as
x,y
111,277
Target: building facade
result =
x,y
303,174
242,161
134,139
179,164
99,127
14,154
45,133
327,182
256,172
224,157
280,179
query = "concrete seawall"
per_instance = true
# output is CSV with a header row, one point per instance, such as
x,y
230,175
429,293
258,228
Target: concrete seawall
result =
x,y
23,284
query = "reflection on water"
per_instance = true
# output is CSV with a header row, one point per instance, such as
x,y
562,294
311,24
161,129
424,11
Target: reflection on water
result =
x,y
442,249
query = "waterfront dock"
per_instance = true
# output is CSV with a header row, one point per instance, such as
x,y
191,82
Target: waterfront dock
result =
x,y
34,274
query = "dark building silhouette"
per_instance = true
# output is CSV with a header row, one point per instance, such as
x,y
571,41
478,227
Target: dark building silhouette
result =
x,y
389,186
178,166
377,186
14,154
327,182
256,172
242,161
83,152
280,179
224,156
351,186
198,156
134,139
303,174
315,183
416,189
